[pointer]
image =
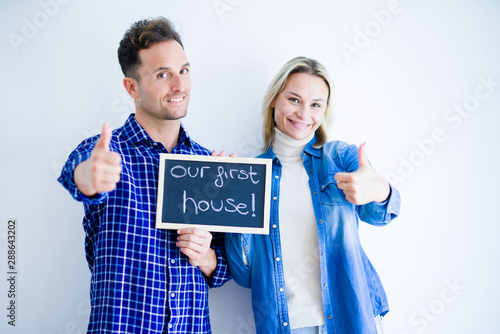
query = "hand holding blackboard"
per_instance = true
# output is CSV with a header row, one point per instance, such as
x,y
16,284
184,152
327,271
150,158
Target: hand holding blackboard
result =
x,y
214,193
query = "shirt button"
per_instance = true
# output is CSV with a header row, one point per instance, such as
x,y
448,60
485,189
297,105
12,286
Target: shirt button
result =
x,y
325,285
278,259
276,177
275,226
172,295
329,317
315,193
320,221
322,253
281,289
172,261
275,198
285,324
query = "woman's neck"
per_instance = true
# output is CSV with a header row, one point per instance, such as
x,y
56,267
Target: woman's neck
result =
x,y
287,147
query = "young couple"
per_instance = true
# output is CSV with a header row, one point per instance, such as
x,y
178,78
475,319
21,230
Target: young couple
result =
x,y
309,275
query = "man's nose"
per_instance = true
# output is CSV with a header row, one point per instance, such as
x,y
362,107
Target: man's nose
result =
x,y
176,83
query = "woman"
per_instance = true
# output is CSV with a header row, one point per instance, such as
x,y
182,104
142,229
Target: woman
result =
x,y
310,274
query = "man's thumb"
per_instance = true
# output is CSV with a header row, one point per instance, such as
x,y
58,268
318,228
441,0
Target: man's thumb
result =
x,y
105,138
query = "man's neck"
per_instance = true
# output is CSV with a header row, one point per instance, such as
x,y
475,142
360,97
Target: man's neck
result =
x,y
163,131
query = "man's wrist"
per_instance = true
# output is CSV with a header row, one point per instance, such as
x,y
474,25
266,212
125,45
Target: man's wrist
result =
x,y
79,179
208,269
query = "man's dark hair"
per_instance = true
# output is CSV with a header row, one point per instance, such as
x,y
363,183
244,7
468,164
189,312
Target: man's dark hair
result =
x,y
141,35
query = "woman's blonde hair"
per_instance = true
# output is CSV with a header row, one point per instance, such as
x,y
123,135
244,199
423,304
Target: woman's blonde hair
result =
x,y
295,65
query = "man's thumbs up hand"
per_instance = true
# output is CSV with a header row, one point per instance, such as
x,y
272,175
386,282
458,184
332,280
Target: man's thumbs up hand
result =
x,y
101,172
364,185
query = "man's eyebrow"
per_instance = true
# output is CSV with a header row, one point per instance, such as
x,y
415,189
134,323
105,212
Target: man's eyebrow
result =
x,y
162,68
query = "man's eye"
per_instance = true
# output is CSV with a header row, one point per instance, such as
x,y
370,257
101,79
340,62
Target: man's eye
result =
x,y
163,75
184,71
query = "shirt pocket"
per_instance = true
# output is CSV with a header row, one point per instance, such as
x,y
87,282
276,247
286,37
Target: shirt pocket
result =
x,y
330,193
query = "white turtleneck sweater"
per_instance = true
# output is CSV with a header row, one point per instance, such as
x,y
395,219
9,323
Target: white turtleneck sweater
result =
x,y
299,236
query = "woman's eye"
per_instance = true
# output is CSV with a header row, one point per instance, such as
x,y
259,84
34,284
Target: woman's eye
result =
x,y
315,105
294,100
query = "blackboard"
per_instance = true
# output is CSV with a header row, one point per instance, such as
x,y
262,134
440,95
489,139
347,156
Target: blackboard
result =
x,y
217,194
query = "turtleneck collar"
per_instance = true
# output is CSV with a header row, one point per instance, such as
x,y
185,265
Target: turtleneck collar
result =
x,y
288,147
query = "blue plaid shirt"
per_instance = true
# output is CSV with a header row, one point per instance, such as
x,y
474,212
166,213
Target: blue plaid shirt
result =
x,y
140,281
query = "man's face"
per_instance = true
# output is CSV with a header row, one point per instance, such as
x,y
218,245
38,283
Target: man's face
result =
x,y
164,84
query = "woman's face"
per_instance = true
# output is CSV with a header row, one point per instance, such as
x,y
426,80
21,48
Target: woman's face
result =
x,y
300,108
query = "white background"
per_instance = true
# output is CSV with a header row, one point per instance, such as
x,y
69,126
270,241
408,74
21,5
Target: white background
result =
x,y
394,88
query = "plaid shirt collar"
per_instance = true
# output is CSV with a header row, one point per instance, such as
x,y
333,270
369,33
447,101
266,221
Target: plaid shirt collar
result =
x,y
134,133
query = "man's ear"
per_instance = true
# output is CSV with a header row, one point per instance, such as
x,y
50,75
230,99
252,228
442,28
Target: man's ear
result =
x,y
132,87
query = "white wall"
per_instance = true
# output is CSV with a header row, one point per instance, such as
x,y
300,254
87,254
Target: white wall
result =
x,y
399,80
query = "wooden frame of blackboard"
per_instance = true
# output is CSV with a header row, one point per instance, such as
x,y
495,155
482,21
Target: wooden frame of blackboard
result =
x,y
186,171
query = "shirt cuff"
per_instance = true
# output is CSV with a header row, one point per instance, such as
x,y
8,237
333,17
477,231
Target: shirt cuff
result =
x,y
386,211
221,274
67,180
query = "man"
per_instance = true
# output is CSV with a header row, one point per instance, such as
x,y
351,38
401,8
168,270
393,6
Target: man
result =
x,y
144,280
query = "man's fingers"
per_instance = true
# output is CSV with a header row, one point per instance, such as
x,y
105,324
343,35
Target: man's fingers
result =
x,y
112,158
104,181
192,255
222,154
195,239
192,246
106,171
103,187
107,174
194,231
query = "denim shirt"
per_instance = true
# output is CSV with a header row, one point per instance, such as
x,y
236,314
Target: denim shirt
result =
x,y
352,292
